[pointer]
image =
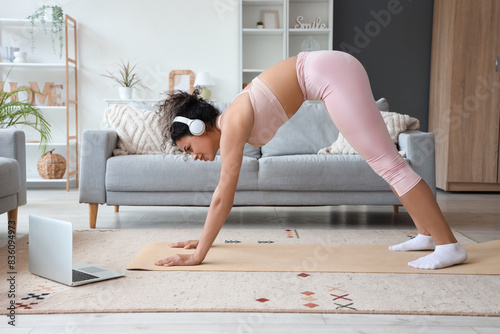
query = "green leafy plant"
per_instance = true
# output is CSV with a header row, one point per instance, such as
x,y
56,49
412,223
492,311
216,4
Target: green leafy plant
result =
x,y
14,112
57,27
126,76
260,23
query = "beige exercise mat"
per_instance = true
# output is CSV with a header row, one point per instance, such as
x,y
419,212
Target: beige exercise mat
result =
x,y
484,259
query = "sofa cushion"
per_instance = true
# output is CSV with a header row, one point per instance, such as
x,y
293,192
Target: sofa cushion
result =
x,y
312,172
252,151
395,123
161,173
10,177
139,131
308,131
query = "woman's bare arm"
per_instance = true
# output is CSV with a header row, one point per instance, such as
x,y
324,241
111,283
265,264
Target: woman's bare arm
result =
x,y
237,129
222,202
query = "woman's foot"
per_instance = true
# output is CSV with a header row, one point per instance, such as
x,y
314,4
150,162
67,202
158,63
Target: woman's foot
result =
x,y
444,256
420,242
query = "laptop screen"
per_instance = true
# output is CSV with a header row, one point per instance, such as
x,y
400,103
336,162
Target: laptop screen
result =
x,y
51,248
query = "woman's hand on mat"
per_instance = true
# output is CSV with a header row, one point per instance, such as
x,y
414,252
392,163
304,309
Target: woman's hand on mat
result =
x,y
185,244
178,260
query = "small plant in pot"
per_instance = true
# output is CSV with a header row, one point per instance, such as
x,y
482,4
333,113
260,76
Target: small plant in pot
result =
x,y
260,25
55,15
14,112
126,79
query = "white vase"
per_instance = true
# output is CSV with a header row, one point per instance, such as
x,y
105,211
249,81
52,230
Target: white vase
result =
x,y
20,57
125,93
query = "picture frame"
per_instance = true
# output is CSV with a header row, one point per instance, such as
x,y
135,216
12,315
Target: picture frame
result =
x,y
270,19
182,80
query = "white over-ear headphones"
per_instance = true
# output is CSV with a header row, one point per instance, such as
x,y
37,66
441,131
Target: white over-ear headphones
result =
x,y
196,126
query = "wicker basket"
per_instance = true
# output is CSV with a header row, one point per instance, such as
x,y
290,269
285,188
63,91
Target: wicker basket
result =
x,y
51,166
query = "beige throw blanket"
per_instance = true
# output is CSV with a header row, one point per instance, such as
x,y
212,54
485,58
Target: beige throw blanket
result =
x,y
396,123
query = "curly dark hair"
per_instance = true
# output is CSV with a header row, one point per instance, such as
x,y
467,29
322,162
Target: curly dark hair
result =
x,y
180,103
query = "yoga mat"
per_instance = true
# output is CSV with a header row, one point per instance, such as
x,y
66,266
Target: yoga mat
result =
x,y
484,259
261,292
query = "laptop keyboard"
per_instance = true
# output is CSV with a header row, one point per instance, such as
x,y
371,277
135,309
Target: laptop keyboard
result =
x,y
79,276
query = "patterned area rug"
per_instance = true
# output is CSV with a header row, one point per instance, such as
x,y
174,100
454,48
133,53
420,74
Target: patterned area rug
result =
x,y
300,291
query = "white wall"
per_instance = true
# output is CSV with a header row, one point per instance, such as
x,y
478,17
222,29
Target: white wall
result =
x,y
160,35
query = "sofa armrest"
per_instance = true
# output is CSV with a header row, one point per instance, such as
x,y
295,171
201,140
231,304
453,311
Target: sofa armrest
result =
x,y
419,148
97,148
13,145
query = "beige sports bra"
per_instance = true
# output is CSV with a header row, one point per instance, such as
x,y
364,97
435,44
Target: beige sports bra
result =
x,y
269,114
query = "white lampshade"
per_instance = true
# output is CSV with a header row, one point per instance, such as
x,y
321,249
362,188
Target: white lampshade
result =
x,y
204,79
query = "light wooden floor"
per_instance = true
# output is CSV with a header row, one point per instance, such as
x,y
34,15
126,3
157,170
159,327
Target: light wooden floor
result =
x,y
475,215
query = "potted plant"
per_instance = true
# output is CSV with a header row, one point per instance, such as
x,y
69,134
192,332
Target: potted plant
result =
x,y
14,112
55,15
126,79
260,25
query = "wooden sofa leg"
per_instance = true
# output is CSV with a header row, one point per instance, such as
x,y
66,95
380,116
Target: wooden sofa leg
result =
x,y
395,208
93,207
116,208
12,217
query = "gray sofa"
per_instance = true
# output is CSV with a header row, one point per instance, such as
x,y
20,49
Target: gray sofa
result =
x,y
12,173
286,171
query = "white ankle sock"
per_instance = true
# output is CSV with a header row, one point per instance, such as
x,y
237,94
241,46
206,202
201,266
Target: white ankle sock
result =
x,y
420,242
444,256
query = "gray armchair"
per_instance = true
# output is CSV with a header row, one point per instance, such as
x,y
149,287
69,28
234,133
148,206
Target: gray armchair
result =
x,y
12,173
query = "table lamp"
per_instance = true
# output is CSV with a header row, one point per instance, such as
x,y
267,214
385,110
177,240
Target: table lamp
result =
x,y
204,80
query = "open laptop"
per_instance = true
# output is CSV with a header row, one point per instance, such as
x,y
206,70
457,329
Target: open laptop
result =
x,y
51,254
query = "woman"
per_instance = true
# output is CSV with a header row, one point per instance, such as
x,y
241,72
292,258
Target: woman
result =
x,y
255,115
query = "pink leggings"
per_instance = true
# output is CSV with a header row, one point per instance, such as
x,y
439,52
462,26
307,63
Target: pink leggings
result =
x,y
341,82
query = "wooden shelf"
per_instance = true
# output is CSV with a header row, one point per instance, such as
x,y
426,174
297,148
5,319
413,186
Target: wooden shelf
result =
x,y
294,31
70,68
50,108
38,182
19,22
48,66
263,2
9,22
36,179
47,108
255,31
34,143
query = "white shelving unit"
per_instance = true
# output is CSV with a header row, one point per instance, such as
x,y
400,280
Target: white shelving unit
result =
x,y
262,48
45,66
